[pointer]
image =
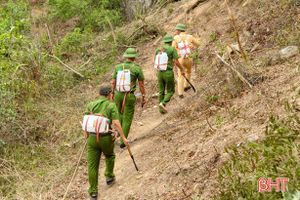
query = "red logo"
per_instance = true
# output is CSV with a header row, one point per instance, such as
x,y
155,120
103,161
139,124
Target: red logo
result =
x,y
267,184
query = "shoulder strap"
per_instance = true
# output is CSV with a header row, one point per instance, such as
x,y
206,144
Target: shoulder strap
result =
x,y
183,38
161,49
123,67
131,73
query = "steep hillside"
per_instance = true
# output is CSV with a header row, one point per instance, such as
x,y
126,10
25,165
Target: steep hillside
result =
x,y
180,154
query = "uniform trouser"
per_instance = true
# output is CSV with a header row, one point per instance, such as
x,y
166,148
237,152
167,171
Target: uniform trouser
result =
x,y
166,84
187,64
127,116
95,149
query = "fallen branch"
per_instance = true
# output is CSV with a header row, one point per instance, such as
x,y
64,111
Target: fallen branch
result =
x,y
49,36
185,194
210,126
246,2
195,5
84,64
70,68
216,150
135,32
163,5
243,79
112,30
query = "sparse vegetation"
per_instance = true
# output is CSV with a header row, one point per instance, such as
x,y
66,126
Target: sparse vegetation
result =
x,y
219,120
233,112
213,37
212,99
277,155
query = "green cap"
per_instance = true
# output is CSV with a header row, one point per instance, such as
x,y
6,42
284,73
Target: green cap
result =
x,y
180,27
167,38
130,53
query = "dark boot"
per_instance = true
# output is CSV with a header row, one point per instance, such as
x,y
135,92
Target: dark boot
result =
x,y
93,197
110,181
187,88
163,107
122,145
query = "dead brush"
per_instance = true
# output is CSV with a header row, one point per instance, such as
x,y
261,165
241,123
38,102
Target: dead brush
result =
x,y
244,70
9,176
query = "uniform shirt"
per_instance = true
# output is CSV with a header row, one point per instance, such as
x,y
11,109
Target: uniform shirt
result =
x,y
104,107
185,37
135,71
172,55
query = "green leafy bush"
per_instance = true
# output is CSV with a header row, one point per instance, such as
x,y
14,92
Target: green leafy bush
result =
x,y
91,14
14,16
26,72
73,43
57,81
277,155
13,85
66,9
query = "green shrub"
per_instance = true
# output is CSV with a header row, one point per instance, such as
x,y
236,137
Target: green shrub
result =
x,y
13,67
14,15
73,43
66,9
91,14
275,156
56,80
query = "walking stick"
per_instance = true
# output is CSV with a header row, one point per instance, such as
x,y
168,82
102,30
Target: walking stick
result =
x,y
75,171
130,153
190,83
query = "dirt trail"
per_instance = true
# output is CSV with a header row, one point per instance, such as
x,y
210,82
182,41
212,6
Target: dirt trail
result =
x,y
128,180
144,145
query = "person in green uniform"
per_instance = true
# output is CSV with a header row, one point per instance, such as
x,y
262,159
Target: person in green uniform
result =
x,y
125,101
166,80
105,145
